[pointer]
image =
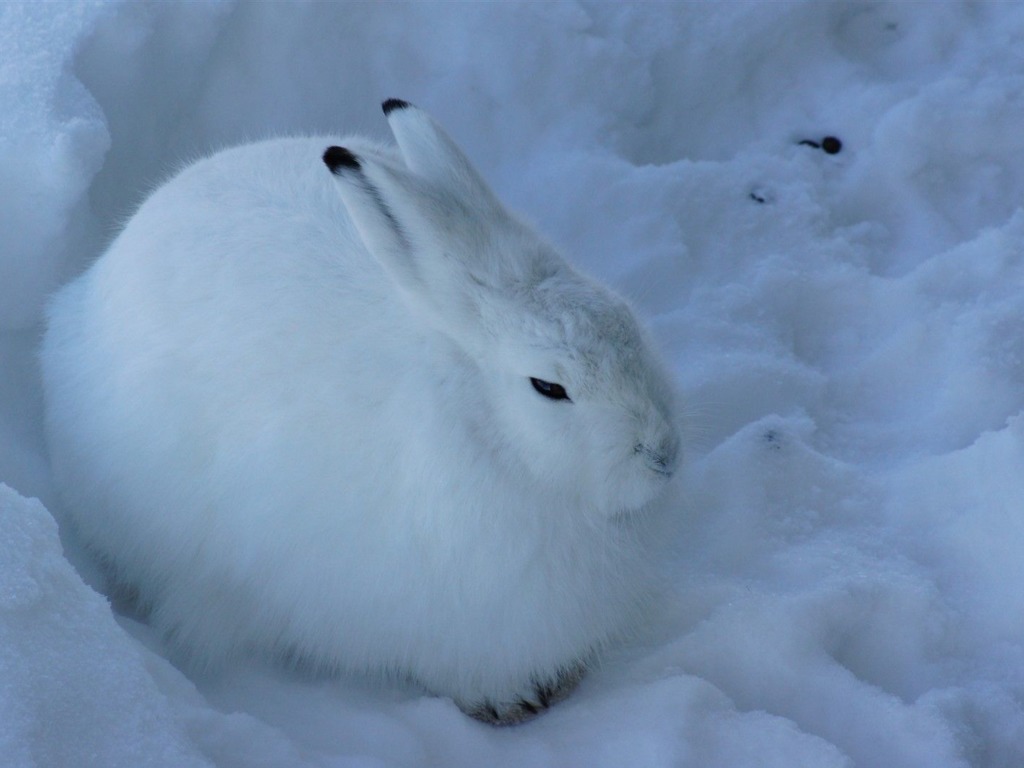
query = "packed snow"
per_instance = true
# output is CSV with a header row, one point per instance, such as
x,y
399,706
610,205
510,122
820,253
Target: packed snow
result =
x,y
844,565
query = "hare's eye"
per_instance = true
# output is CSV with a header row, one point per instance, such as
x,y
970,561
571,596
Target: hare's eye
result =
x,y
550,391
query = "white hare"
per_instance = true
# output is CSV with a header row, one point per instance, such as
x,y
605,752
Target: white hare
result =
x,y
362,416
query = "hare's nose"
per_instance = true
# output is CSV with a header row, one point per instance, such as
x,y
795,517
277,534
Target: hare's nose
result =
x,y
661,457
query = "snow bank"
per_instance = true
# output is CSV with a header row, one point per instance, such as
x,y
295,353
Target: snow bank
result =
x,y
52,141
843,578
76,689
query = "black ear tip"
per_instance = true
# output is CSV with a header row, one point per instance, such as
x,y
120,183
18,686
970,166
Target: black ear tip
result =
x,y
338,158
391,105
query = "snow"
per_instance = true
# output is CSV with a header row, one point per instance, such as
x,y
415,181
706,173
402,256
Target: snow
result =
x,y
845,571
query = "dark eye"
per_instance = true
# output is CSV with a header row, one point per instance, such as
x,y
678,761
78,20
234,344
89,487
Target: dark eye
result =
x,y
549,390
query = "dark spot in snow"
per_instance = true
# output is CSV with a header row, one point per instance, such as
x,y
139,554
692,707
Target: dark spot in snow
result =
x,y
830,145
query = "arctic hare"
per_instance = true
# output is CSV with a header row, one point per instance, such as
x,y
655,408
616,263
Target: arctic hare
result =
x,y
361,415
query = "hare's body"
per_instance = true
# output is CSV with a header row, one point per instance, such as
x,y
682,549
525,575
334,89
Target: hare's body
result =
x,y
285,447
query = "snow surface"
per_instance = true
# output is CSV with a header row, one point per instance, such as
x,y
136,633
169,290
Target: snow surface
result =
x,y
845,572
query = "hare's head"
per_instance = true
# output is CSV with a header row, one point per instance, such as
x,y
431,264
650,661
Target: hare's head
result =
x,y
577,401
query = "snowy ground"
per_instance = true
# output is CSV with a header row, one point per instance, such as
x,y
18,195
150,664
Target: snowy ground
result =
x,y
847,559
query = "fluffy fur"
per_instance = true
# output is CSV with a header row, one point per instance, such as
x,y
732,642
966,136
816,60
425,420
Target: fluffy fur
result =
x,y
293,405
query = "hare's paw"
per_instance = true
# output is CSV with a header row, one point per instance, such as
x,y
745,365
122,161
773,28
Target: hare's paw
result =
x,y
537,698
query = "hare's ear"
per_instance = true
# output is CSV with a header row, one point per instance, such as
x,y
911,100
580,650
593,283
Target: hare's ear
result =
x,y
430,152
376,223
398,217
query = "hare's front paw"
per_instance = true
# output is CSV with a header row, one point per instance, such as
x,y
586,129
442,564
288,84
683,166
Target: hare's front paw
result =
x,y
531,702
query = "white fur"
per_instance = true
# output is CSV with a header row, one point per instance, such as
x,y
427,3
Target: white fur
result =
x,y
295,428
